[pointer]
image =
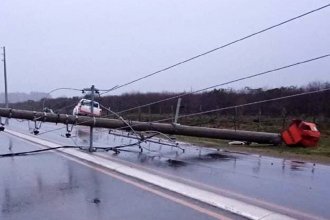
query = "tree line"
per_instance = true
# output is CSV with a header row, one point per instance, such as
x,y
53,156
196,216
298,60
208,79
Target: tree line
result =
x,y
313,105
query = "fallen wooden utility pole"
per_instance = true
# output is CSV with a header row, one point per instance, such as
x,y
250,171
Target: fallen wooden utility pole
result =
x,y
249,136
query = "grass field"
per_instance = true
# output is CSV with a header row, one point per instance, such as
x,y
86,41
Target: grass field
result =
x,y
321,153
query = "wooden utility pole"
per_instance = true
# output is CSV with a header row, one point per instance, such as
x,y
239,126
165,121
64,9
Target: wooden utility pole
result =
x,y
5,78
227,134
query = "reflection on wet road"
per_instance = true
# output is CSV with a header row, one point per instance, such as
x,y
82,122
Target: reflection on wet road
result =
x,y
49,186
288,185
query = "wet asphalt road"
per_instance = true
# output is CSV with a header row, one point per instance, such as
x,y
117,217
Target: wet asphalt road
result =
x,y
288,186
49,186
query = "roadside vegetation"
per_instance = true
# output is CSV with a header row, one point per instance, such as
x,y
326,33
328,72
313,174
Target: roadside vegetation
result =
x,y
321,153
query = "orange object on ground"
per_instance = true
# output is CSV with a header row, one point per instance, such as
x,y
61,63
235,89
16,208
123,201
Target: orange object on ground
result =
x,y
301,133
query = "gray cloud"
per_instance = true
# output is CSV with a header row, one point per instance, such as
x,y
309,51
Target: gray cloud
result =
x,y
77,43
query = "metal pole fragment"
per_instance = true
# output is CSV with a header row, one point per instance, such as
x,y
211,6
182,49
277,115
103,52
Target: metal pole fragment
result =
x,y
177,111
92,114
91,126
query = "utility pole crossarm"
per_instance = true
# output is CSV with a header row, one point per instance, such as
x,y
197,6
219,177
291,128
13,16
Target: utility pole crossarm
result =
x,y
250,136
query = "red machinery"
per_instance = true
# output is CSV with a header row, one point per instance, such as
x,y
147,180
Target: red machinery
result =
x,y
301,133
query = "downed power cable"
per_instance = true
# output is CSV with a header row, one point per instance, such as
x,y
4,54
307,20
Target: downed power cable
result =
x,y
24,153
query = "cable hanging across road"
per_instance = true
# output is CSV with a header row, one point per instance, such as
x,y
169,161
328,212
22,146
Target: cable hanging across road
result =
x,y
200,90
54,90
229,82
217,48
207,52
24,153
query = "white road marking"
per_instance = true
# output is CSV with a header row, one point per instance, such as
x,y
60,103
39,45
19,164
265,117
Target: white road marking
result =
x,y
211,198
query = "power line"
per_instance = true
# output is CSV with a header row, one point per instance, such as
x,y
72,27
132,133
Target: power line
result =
x,y
200,90
215,110
226,83
247,104
217,48
24,153
54,90
63,108
238,106
210,51
121,118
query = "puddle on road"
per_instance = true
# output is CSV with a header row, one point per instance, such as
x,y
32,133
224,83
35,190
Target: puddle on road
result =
x,y
219,156
297,165
212,157
176,163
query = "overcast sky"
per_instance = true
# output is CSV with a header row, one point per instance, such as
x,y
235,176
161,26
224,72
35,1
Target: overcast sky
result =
x,y
78,43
